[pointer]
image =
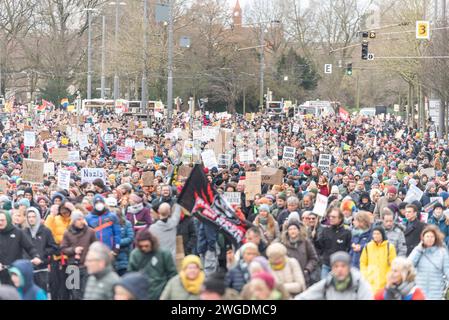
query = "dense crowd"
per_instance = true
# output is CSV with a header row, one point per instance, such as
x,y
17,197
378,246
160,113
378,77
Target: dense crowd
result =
x,y
383,235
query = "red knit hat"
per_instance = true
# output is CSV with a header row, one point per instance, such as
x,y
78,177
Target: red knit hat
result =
x,y
266,277
392,189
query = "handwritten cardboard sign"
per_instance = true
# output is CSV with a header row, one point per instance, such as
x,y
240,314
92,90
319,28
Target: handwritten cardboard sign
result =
x,y
33,171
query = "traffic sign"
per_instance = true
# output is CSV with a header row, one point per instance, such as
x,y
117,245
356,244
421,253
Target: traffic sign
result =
x,y
328,68
423,30
371,56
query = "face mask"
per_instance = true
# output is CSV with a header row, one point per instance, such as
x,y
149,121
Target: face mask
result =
x,y
99,206
135,208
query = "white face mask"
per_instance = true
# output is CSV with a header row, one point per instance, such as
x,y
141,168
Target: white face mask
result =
x,y
99,206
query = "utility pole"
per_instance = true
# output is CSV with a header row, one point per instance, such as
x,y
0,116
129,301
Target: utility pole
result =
x,y
144,98
262,65
103,57
89,55
412,105
409,104
116,78
170,67
357,101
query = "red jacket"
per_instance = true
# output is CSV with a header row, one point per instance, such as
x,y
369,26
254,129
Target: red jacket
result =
x,y
417,294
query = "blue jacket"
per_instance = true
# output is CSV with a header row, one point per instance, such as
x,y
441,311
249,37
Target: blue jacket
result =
x,y
362,240
444,228
431,265
237,277
127,238
28,289
107,228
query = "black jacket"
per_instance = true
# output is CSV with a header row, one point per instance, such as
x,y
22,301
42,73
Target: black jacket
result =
x,y
413,234
186,229
331,240
44,243
12,244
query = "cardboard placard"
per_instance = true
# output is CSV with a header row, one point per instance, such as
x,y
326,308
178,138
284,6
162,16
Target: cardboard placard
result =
x,y
44,135
148,178
429,172
36,154
184,171
139,133
143,155
253,183
272,176
60,154
33,171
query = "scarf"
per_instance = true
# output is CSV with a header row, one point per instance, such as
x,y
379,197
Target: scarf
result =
x,y
399,292
280,266
342,285
358,232
192,286
263,221
293,242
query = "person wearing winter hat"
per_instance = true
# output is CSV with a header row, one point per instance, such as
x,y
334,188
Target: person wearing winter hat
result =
x,y
263,287
188,283
75,244
441,220
239,275
390,197
214,288
268,226
100,187
365,203
342,283
132,286
287,270
281,203
137,213
57,198
105,223
376,259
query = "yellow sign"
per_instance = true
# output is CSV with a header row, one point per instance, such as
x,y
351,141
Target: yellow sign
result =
x,y
423,30
64,141
71,108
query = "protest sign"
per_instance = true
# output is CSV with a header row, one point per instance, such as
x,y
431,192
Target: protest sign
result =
x,y
49,168
29,139
272,176
295,128
289,154
83,141
246,156
44,135
90,174
209,159
414,193
139,133
184,171
36,154
108,137
438,199
64,179
224,159
320,205
130,143
324,163
309,153
429,172
64,141
60,154
139,145
253,181
33,171
73,156
143,155
124,154
234,198
147,132
148,178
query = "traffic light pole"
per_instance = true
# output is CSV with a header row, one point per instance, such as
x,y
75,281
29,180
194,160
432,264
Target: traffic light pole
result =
x,y
357,101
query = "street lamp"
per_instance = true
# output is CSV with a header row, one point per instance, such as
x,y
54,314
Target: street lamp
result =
x,y
116,78
170,66
89,52
144,99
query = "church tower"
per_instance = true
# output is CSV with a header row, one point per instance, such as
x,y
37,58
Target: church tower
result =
x,y
237,15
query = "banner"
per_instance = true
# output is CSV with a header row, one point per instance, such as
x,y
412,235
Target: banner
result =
x,y
124,154
33,171
184,171
64,179
90,174
29,139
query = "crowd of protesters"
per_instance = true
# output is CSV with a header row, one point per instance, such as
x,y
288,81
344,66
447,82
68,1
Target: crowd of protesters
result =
x,y
117,238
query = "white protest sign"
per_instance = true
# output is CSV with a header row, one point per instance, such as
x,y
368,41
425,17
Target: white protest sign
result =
x,y
414,193
29,139
234,198
139,145
295,128
130,143
64,179
147,132
289,153
246,156
109,137
324,163
90,174
49,168
224,159
74,156
429,172
209,159
83,140
439,199
320,205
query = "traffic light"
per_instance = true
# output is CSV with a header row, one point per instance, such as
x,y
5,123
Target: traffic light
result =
x,y
349,69
365,50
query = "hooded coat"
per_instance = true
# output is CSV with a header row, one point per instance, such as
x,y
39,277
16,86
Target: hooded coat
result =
x,y
13,242
137,284
28,290
73,238
106,226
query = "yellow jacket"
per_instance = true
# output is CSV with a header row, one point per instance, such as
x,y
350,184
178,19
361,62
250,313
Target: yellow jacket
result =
x,y
57,225
375,263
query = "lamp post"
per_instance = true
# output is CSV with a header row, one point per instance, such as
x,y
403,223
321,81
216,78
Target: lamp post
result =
x,y
144,100
170,67
116,78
